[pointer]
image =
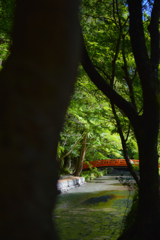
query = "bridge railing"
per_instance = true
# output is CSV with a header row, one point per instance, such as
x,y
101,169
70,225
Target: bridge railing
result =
x,y
110,163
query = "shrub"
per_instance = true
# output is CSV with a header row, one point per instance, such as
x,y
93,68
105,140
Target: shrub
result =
x,y
93,173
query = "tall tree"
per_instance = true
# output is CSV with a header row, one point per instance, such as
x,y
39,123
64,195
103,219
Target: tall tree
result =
x,y
146,122
80,161
35,87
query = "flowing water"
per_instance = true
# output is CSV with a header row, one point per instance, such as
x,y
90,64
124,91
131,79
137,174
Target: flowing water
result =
x,y
94,211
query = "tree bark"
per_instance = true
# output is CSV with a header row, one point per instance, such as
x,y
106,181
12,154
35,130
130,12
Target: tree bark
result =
x,y
148,125
79,165
148,210
146,226
35,88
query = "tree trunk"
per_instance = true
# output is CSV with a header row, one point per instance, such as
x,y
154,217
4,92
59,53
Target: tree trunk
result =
x,y
147,129
66,154
146,225
35,88
79,165
148,211
124,146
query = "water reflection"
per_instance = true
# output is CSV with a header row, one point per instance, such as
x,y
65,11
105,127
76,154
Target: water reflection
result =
x,y
92,213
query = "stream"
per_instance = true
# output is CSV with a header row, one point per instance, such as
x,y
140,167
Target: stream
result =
x,y
94,211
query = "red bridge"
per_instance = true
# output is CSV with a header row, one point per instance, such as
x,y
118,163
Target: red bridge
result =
x,y
110,163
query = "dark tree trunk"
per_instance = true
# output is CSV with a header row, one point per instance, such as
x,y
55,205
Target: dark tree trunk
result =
x,y
148,210
80,161
146,226
147,129
36,83
124,146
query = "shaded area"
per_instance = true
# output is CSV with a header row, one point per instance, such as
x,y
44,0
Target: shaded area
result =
x,y
95,200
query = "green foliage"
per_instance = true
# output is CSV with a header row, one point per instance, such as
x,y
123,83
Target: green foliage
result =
x,y
60,150
90,112
6,26
93,173
105,29
64,171
7,8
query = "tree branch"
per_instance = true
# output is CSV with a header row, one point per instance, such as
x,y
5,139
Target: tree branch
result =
x,y
128,132
154,32
125,152
128,80
65,155
138,45
107,76
102,85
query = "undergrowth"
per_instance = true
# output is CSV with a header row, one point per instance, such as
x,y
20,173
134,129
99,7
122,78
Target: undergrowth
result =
x,y
130,217
130,214
93,173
